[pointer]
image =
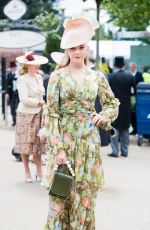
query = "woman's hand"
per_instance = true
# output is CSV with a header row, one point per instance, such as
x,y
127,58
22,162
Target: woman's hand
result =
x,y
98,120
61,157
42,135
41,103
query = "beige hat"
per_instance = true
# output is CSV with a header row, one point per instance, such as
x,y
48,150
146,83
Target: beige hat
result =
x,y
30,59
93,21
77,32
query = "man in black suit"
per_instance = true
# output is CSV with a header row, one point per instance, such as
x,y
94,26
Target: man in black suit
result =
x,y
121,83
134,71
138,78
11,91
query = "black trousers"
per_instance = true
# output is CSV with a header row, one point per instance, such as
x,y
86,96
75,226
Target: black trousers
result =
x,y
133,121
14,101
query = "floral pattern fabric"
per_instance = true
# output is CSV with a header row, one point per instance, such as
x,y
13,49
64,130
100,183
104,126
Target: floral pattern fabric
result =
x,y
69,123
81,203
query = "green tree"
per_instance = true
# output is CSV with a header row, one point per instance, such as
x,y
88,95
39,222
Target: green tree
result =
x,y
52,25
47,21
131,14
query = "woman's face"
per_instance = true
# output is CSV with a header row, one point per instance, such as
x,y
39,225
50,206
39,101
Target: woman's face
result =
x,y
33,68
78,54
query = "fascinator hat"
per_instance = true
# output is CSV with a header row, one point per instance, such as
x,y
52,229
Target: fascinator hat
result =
x,y
77,31
75,34
84,15
31,59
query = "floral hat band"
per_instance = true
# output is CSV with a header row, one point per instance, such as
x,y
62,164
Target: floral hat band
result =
x,y
29,57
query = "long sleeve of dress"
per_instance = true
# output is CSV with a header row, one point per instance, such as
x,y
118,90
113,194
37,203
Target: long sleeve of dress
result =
x,y
110,104
52,114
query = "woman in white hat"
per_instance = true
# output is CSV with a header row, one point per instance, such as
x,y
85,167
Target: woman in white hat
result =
x,y
29,112
72,123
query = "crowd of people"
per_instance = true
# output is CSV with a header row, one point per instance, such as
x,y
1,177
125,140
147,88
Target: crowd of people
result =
x,y
60,115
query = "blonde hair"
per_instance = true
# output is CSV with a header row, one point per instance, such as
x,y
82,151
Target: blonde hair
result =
x,y
23,69
66,60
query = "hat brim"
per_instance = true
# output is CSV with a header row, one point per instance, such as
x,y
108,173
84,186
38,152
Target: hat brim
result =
x,y
57,57
38,60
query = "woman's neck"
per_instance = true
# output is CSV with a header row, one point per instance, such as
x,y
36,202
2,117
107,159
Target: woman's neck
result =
x,y
74,66
32,73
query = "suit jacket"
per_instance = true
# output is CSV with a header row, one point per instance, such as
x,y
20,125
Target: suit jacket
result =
x,y
121,83
9,83
30,93
138,77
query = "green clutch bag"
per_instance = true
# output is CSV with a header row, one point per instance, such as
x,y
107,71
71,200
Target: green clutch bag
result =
x,y
62,182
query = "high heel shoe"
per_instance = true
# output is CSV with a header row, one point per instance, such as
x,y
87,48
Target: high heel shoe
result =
x,y
38,178
28,180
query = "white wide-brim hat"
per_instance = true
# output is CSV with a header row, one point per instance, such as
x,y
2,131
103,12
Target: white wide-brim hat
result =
x,y
57,57
77,32
31,59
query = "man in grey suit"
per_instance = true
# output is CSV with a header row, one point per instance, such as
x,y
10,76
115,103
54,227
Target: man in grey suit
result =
x,y
122,84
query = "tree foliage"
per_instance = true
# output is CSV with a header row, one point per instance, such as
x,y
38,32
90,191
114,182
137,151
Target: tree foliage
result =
x,y
130,14
47,21
52,25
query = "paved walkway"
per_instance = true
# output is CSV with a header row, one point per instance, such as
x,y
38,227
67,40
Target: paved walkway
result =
x,y
124,204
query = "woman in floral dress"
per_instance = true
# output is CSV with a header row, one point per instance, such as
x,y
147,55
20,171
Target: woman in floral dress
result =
x,y
72,124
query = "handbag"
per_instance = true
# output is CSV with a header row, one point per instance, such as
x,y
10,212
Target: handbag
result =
x,y
62,181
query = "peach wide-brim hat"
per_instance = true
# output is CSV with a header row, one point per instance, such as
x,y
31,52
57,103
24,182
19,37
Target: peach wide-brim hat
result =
x,y
32,59
77,31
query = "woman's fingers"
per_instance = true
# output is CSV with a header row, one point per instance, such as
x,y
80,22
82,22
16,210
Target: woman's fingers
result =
x,y
61,157
98,120
61,162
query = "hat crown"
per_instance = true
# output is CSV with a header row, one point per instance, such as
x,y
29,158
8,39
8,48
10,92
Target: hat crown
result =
x,y
32,59
76,23
119,61
13,64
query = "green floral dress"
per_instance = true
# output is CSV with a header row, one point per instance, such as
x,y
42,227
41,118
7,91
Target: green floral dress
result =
x,y
69,123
